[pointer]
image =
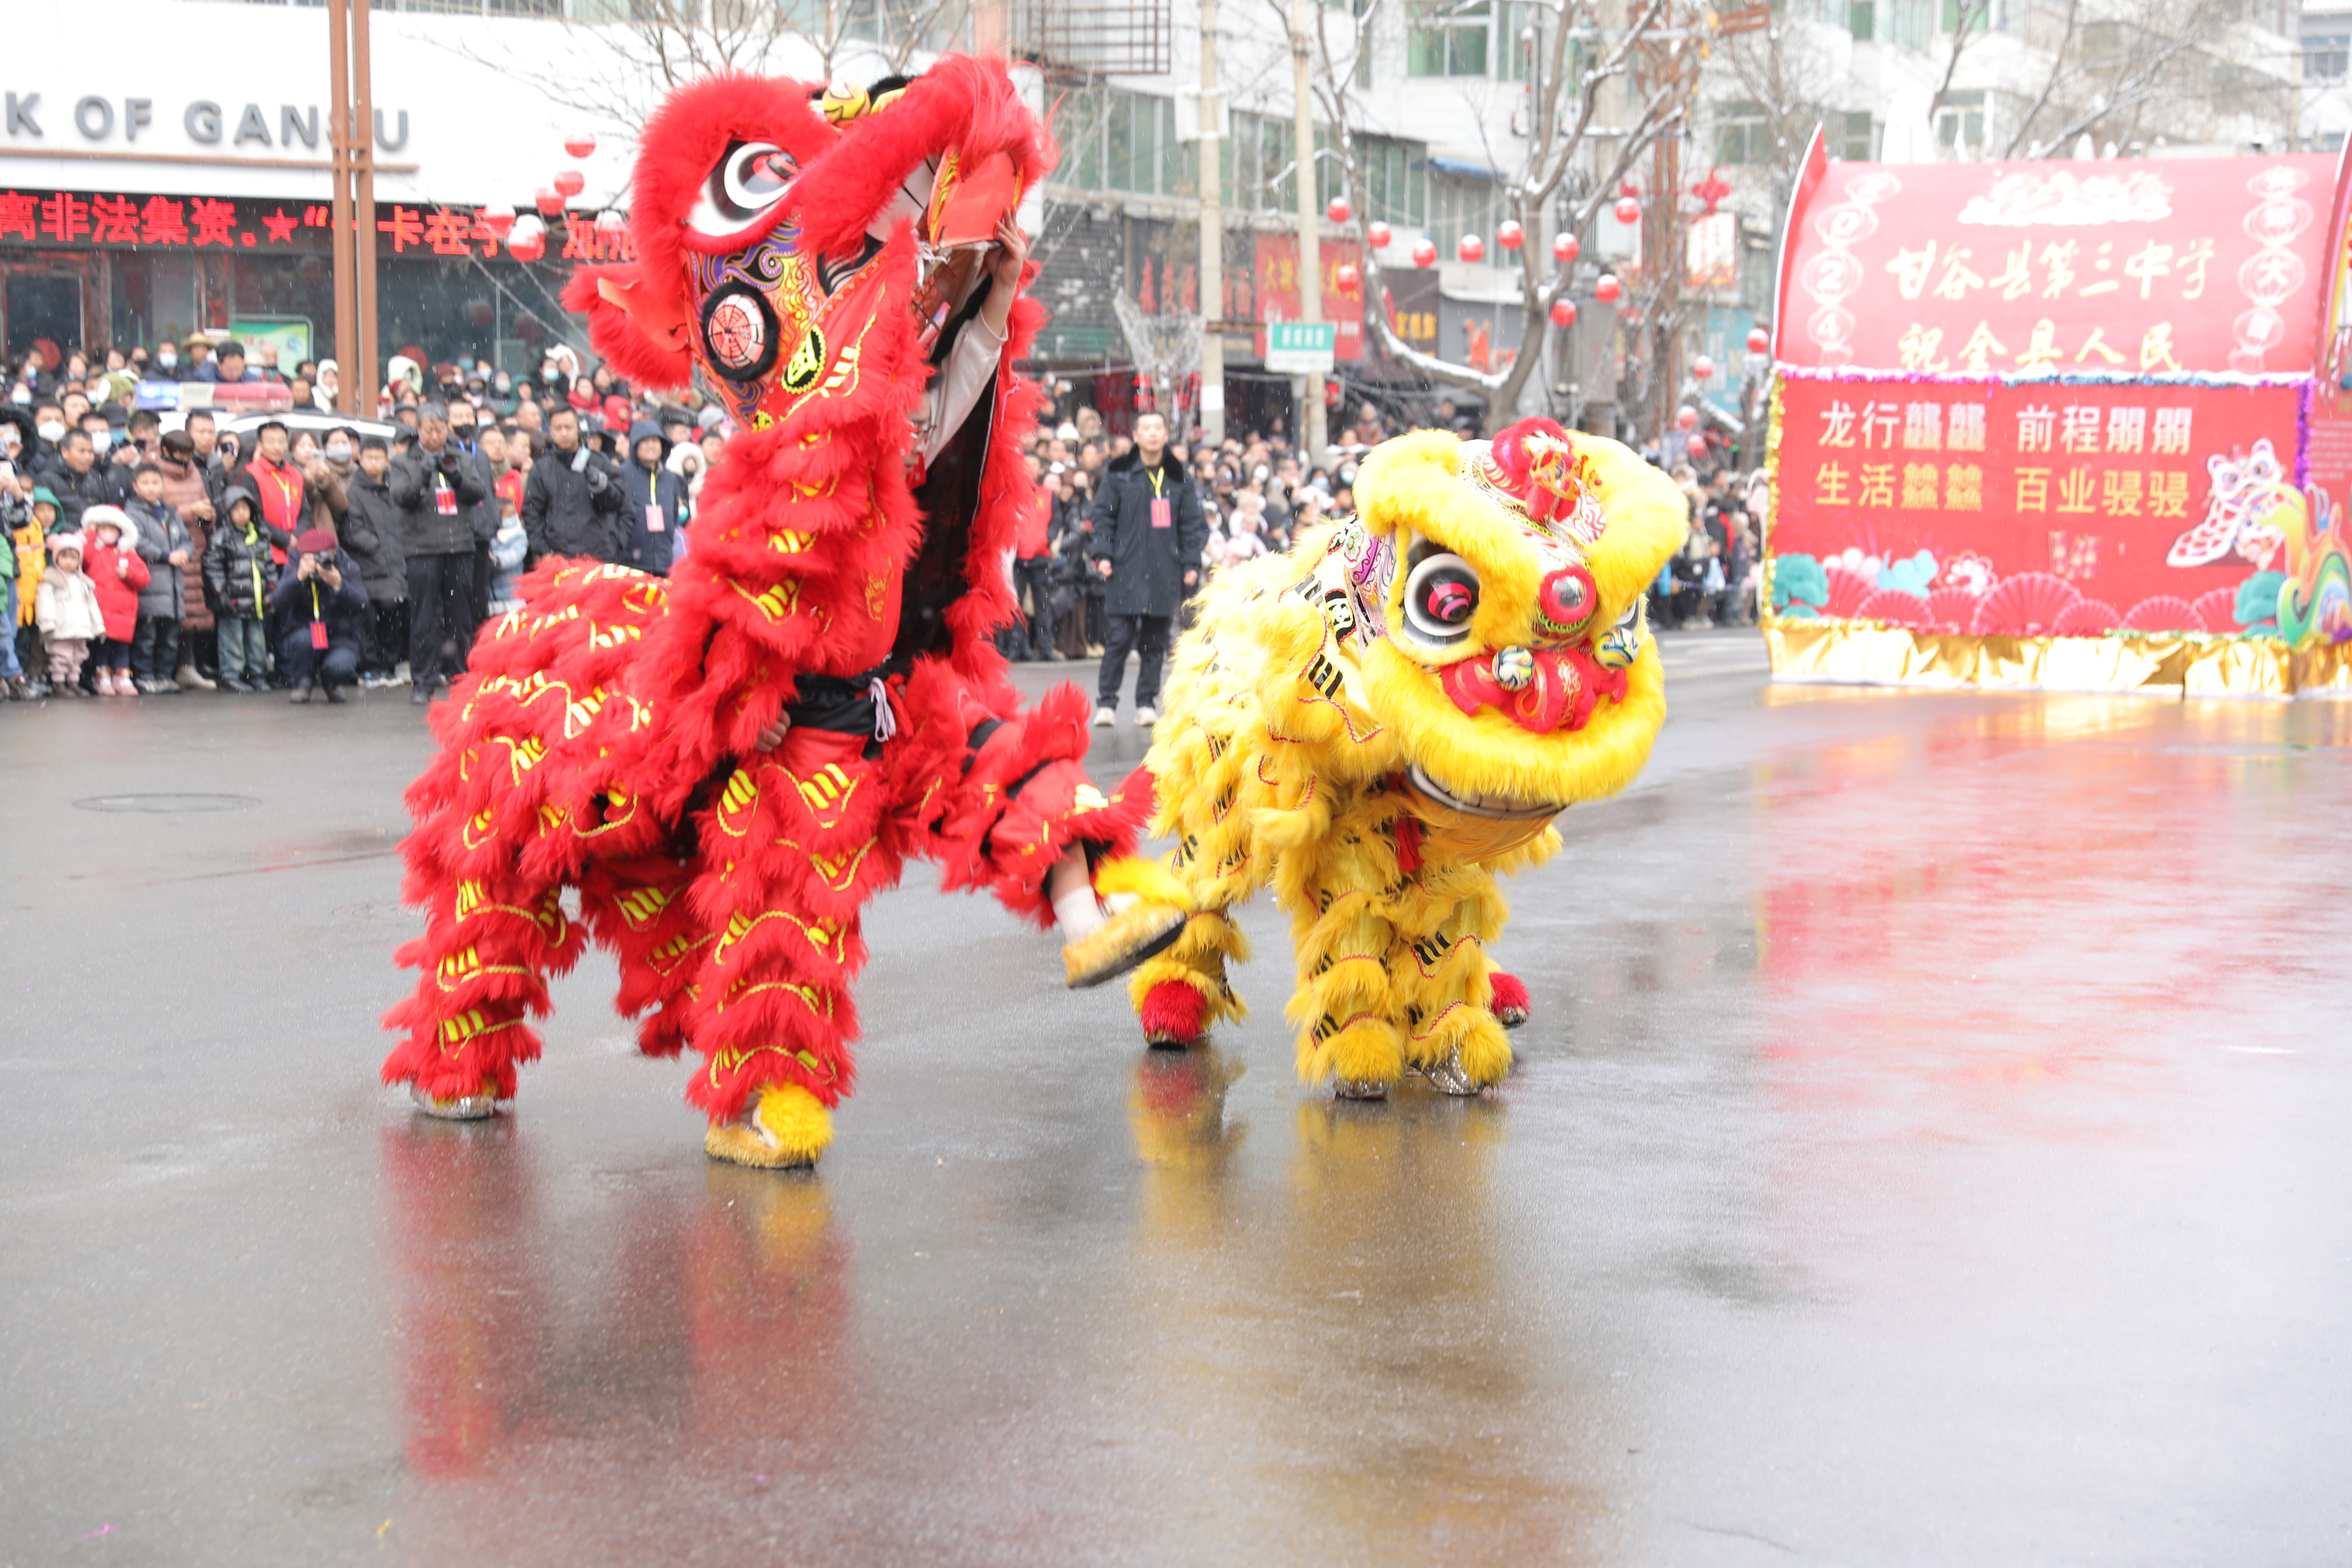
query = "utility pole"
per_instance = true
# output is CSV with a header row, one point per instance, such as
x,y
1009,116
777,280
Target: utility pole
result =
x,y
1212,240
351,128
1311,218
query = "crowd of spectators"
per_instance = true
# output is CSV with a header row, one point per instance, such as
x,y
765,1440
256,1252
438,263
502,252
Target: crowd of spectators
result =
x,y
310,559
305,554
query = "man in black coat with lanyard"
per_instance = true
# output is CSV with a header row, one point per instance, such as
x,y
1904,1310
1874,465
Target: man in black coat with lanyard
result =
x,y
1147,538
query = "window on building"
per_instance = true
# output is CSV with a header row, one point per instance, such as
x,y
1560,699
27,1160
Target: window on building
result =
x,y
1961,123
2326,57
1856,136
1969,15
1862,20
1462,200
1396,176
1742,134
1257,164
1117,141
1447,37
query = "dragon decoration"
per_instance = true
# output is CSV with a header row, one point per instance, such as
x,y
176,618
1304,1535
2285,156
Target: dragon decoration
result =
x,y
1382,732
727,765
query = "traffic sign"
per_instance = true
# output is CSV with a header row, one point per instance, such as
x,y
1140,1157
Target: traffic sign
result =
x,y
1301,348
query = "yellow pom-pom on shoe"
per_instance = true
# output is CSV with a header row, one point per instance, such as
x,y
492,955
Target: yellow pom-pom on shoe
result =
x,y
785,1127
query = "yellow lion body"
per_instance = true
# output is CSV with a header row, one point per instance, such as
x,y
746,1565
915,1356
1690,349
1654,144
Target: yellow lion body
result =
x,y
1312,740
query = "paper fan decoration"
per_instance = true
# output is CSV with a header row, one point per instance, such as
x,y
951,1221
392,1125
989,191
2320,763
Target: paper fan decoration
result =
x,y
1896,608
2025,605
2087,618
2218,611
1951,610
1848,591
2164,613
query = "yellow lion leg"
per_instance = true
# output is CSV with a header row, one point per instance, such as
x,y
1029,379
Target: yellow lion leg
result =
x,y
1196,960
785,1126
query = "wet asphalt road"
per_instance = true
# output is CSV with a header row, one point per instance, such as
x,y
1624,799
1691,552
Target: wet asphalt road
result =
x,y
1930,1147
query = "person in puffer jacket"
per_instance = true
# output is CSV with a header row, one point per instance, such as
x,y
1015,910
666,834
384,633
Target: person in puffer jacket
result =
x,y
653,500
65,608
239,575
372,537
165,543
111,562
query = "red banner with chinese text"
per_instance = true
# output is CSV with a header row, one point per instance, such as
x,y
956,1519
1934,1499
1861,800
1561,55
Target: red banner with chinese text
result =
x,y
2143,496
71,218
2133,266
1277,289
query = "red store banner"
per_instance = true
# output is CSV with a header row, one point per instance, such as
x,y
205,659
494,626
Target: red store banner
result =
x,y
54,219
2144,506
1277,289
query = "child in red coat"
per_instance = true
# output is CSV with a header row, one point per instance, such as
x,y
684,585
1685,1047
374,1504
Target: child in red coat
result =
x,y
115,570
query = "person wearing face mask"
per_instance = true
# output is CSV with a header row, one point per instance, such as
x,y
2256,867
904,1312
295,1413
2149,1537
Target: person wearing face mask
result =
x,y
49,429
166,364
484,516
326,386
187,494
328,476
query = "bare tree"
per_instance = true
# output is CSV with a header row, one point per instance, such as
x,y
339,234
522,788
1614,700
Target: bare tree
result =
x,y
2108,76
1644,71
618,63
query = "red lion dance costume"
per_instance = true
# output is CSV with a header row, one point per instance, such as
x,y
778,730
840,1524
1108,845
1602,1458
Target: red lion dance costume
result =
x,y
619,733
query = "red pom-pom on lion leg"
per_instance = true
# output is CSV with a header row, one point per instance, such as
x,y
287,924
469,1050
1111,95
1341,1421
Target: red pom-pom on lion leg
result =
x,y
728,763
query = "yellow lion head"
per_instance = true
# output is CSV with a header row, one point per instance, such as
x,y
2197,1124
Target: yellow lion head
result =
x,y
1485,609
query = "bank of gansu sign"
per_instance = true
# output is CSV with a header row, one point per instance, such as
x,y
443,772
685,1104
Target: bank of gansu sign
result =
x,y
104,122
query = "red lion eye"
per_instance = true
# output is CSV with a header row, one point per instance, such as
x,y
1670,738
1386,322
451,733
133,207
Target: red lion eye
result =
x,y
1566,599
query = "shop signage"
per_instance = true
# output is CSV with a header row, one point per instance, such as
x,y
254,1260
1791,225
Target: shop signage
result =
x,y
71,218
1300,348
241,128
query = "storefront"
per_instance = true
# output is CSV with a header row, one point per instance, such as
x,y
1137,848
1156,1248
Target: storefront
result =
x,y
170,184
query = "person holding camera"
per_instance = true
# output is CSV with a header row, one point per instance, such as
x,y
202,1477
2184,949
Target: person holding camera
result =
x,y
437,489
318,613
572,502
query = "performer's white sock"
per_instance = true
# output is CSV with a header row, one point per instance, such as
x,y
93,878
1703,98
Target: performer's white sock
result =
x,y
1076,909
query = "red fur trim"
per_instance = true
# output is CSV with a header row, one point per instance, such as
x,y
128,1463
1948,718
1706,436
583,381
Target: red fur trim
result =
x,y
1170,1014
620,337
962,102
681,143
1510,996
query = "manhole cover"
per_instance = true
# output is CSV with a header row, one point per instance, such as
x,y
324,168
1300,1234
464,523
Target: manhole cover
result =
x,y
160,803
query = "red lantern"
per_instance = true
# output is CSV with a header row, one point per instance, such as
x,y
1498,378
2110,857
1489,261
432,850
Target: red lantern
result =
x,y
549,200
1330,395
1425,253
1509,235
499,219
1338,211
1607,288
1563,313
1759,341
1471,248
1629,188
1564,249
1686,417
1378,234
528,246
528,329
581,145
478,311
1702,367
1628,211
1697,446
1348,278
611,225
570,182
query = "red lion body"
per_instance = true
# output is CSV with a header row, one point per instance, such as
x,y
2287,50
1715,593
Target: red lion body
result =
x,y
608,735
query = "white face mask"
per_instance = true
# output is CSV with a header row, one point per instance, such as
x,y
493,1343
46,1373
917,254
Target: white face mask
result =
x,y
51,430
167,360
99,440
338,452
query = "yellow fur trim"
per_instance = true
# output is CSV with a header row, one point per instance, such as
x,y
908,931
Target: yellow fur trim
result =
x,y
796,1127
1146,879
1119,944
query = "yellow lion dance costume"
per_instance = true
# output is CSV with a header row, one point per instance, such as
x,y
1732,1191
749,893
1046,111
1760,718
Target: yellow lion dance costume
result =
x,y
1382,722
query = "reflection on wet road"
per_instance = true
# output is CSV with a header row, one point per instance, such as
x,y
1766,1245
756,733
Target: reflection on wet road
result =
x,y
1929,1146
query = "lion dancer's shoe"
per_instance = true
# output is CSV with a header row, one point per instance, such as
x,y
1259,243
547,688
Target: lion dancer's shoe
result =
x,y
1123,911
783,1127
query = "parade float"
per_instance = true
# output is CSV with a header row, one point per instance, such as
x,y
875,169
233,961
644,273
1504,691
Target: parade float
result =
x,y
2079,425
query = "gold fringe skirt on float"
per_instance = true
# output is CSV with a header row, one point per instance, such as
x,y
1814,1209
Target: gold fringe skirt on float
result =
x,y
2160,664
